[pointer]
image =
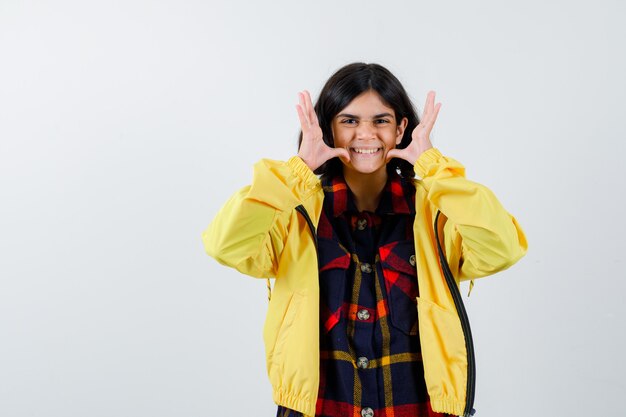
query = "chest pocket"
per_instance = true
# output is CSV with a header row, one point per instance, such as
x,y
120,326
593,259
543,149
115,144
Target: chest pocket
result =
x,y
397,260
334,263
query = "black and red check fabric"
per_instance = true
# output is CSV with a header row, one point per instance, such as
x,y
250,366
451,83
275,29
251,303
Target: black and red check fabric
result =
x,y
370,357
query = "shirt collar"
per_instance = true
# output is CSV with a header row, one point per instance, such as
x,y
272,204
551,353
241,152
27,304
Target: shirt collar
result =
x,y
398,196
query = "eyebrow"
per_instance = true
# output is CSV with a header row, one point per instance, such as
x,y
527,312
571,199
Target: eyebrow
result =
x,y
377,116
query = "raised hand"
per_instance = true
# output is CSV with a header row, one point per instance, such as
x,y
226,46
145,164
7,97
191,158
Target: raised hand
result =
x,y
421,134
313,151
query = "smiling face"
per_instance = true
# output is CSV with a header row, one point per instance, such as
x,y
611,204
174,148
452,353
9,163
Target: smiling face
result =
x,y
367,129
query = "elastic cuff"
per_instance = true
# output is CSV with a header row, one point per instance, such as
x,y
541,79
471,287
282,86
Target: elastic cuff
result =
x,y
427,158
294,402
448,406
303,171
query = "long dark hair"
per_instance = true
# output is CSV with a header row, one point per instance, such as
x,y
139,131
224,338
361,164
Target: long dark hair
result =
x,y
346,84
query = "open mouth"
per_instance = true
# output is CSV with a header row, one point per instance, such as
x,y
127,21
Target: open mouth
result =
x,y
366,152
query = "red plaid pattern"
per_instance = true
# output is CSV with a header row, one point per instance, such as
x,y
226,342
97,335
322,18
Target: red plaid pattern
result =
x,y
370,356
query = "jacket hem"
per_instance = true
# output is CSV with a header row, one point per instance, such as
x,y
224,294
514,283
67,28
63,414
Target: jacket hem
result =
x,y
294,402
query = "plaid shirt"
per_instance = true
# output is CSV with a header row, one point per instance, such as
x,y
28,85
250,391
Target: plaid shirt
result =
x,y
370,358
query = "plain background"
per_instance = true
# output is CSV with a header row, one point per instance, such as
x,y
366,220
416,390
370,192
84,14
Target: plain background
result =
x,y
125,125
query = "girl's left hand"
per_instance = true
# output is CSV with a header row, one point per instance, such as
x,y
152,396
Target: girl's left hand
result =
x,y
421,134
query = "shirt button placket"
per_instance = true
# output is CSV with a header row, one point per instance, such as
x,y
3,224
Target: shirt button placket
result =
x,y
364,314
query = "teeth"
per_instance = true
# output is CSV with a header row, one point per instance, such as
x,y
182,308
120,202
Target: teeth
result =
x,y
365,150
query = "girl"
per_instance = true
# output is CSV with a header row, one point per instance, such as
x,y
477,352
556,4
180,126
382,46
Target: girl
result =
x,y
365,318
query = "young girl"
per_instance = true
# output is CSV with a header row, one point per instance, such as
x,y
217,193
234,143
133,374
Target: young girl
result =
x,y
365,318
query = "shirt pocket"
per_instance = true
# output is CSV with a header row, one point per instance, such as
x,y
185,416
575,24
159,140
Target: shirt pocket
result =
x,y
334,267
397,261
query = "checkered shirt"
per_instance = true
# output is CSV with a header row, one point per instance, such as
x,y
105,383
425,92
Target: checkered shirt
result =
x,y
370,357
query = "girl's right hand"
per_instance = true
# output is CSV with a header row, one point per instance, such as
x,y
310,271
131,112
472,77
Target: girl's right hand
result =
x,y
313,151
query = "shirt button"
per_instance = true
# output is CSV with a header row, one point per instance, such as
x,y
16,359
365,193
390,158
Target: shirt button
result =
x,y
361,224
363,314
362,362
367,412
412,260
367,268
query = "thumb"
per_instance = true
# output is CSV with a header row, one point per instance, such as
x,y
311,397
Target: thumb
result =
x,y
342,154
393,153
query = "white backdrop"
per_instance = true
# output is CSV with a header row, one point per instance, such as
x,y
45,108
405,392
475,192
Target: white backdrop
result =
x,y
124,125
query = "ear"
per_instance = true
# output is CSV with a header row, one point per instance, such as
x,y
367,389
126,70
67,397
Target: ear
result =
x,y
400,129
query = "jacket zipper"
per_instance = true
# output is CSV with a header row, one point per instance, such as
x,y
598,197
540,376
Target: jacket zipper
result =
x,y
465,325
303,211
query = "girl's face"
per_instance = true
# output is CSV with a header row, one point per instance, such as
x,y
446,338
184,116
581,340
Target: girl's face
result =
x,y
367,129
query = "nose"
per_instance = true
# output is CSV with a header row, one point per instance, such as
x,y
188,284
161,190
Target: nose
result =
x,y
366,130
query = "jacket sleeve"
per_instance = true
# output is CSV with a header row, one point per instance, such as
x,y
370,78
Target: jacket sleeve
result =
x,y
249,231
481,237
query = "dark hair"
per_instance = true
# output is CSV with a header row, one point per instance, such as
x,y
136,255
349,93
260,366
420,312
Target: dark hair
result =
x,y
346,84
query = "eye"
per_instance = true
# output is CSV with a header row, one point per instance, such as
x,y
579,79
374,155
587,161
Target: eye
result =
x,y
349,121
382,121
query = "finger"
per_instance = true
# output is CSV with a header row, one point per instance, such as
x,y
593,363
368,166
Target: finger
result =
x,y
310,110
430,116
433,117
303,109
428,105
432,94
312,114
304,124
305,102
314,118
437,107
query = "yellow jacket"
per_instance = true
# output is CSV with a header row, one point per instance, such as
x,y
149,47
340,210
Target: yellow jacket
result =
x,y
267,230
